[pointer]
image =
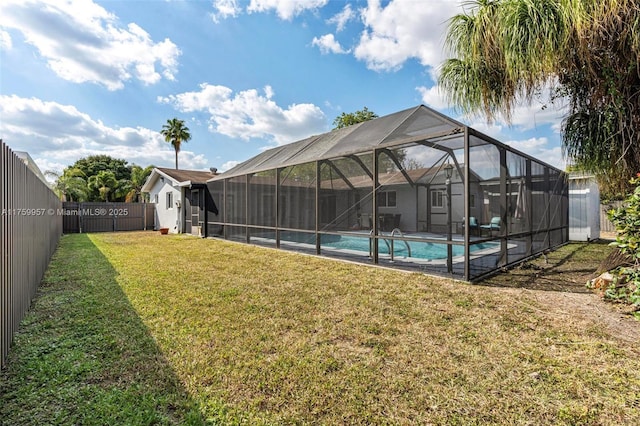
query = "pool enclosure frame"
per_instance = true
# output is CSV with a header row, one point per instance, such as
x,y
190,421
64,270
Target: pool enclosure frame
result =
x,y
413,190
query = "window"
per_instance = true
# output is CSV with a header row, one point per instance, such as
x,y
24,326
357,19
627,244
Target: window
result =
x,y
387,199
437,198
472,200
156,198
169,200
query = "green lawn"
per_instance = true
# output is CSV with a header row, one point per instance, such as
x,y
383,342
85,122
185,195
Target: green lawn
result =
x,y
139,328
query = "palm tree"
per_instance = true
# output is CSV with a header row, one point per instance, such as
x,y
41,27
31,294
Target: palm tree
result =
x,y
70,185
122,190
105,182
507,51
138,178
175,132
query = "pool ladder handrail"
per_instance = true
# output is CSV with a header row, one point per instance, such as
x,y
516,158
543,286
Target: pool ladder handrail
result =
x,y
389,246
404,241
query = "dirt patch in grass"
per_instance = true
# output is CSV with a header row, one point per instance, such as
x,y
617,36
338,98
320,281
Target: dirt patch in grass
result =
x,y
558,280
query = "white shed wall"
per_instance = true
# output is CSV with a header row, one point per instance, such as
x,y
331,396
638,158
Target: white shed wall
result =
x,y
584,208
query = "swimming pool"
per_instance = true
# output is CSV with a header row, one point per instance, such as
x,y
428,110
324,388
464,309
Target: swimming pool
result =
x,y
420,250
353,243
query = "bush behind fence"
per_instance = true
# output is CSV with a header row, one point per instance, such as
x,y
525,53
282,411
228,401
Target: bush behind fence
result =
x,y
30,229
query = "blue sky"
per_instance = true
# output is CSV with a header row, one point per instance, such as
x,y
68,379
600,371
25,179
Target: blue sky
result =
x,y
79,78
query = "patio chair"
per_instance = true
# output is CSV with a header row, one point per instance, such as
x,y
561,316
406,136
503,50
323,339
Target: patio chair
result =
x,y
494,225
474,228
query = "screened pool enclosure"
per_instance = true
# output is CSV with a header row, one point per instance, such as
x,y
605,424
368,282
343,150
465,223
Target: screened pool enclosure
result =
x,y
413,190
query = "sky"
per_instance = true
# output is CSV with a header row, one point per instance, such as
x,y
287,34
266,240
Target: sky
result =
x,y
83,77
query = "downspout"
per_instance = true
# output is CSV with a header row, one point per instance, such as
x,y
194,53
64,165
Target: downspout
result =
x,y
181,217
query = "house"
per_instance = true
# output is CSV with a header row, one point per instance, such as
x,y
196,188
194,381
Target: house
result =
x,y
26,159
182,200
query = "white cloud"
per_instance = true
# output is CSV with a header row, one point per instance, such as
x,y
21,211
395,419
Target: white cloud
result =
x,y
394,33
57,135
341,19
83,42
433,97
494,130
541,149
286,9
539,114
404,29
225,9
525,118
5,40
228,166
328,44
545,148
45,165
248,114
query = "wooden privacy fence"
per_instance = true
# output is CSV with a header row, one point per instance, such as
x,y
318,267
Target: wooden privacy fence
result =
x,y
30,229
605,223
107,217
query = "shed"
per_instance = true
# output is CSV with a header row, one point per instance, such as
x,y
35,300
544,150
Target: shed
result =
x,y
584,207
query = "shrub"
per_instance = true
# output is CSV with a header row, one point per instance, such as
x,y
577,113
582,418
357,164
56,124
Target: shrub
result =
x,y
626,219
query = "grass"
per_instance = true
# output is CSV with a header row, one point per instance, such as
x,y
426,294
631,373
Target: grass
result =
x,y
566,269
157,329
83,355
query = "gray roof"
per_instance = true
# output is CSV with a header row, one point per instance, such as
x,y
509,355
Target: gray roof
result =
x,y
179,177
195,176
413,124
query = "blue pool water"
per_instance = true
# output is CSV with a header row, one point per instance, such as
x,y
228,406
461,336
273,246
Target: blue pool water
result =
x,y
419,250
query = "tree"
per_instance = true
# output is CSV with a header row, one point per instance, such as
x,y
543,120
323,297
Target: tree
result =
x,y
93,164
86,180
509,51
104,182
385,162
347,119
138,178
70,185
175,132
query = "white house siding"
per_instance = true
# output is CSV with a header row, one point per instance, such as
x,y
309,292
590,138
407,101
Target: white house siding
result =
x,y
405,207
430,217
166,217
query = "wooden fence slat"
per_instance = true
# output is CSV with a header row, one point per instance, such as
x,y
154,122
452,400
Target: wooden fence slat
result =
x,y
605,223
